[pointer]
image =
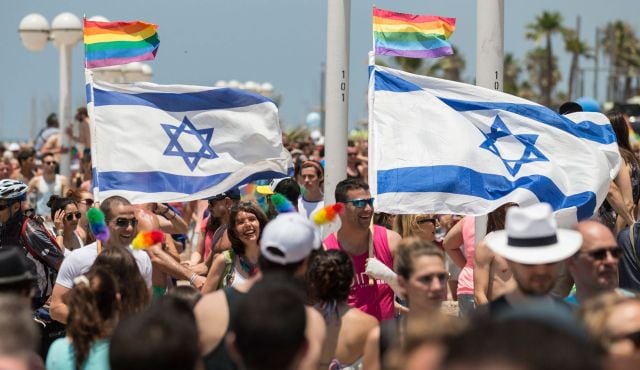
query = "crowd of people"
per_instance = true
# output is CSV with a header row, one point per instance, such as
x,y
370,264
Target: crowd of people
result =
x,y
235,284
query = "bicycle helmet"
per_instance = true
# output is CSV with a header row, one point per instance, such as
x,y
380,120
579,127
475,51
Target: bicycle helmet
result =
x,y
12,189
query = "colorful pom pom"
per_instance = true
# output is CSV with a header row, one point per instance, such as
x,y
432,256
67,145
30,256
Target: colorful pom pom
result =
x,y
145,239
328,213
97,224
282,204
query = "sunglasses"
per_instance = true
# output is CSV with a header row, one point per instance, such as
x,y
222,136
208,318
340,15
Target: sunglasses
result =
x,y
361,203
633,336
425,220
87,202
4,206
49,163
123,223
601,254
428,279
69,216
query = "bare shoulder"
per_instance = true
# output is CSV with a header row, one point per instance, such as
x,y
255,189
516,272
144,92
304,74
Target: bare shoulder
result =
x,y
393,238
362,319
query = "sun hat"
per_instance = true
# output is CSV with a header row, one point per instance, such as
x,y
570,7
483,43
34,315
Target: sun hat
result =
x,y
270,188
532,237
289,238
13,266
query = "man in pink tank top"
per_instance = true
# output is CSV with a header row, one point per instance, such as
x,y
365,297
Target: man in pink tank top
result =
x,y
374,297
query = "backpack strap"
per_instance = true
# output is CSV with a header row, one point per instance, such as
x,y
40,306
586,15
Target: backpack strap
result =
x,y
632,239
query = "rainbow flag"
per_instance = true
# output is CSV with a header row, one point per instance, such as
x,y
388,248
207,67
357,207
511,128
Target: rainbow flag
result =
x,y
411,35
113,43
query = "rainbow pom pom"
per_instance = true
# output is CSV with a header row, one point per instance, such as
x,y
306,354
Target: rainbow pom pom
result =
x,y
282,204
145,239
97,225
328,214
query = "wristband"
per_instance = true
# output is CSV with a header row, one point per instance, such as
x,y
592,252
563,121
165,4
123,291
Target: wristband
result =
x,y
193,278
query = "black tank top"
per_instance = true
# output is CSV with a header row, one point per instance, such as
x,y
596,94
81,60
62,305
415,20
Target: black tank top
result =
x,y
218,358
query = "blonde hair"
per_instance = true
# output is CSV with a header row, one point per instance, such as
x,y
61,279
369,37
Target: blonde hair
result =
x,y
406,225
596,312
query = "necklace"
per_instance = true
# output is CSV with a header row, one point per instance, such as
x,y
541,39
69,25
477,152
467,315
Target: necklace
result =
x,y
248,267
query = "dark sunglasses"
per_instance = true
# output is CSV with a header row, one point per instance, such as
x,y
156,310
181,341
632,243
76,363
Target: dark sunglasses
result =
x,y
48,163
4,206
634,337
428,279
123,223
87,202
601,254
421,221
361,203
69,216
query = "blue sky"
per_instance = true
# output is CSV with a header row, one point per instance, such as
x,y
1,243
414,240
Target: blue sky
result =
x,y
278,41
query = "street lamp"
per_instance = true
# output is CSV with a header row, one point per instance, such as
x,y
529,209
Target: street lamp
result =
x,y
65,32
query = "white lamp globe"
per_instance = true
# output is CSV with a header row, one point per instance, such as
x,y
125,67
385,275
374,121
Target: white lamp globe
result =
x,y
66,29
234,84
251,86
266,87
34,31
221,83
98,18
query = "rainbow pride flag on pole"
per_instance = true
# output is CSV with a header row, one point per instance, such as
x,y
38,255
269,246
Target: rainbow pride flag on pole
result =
x,y
411,35
113,43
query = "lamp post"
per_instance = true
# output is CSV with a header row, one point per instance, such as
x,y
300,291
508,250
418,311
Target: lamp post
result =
x,y
65,32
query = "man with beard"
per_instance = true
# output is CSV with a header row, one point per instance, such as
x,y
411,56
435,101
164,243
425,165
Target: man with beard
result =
x,y
595,266
534,248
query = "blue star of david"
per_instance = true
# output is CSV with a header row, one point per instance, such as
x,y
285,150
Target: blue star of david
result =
x,y
203,136
530,154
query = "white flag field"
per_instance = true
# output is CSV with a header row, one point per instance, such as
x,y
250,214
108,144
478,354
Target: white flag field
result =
x,y
155,143
437,146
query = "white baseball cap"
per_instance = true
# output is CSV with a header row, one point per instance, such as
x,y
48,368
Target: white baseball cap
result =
x,y
289,238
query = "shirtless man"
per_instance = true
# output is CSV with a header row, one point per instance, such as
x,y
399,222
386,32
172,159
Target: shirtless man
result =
x,y
492,277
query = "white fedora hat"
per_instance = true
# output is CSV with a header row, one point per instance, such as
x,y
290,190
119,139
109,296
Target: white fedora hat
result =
x,y
532,237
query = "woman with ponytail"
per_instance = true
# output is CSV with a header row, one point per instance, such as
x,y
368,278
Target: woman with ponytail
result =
x,y
94,307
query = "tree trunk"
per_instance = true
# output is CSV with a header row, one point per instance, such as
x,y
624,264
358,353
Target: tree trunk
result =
x,y
549,77
572,74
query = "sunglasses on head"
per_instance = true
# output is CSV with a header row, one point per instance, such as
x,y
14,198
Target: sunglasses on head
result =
x,y
428,279
123,223
421,221
69,216
601,254
361,203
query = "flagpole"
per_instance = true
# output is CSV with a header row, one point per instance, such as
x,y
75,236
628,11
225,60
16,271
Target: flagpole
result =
x,y
489,62
336,95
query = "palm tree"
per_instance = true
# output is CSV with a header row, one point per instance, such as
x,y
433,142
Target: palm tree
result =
x,y
538,71
623,48
449,67
512,70
577,48
411,65
547,24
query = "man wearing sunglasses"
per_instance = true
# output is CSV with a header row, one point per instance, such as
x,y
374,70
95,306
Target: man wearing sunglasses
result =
x,y
359,240
46,185
122,223
594,267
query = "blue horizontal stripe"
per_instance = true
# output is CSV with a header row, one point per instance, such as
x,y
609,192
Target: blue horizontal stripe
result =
x,y
119,53
602,134
465,181
223,98
158,182
87,89
433,43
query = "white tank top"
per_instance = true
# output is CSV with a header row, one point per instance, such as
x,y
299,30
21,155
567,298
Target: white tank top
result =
x,y
45,191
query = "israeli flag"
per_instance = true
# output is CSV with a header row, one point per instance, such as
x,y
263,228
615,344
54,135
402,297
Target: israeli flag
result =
x,y
155,143
437,146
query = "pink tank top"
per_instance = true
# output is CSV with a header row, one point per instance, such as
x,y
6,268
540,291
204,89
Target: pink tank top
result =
x,y
465,279
376,299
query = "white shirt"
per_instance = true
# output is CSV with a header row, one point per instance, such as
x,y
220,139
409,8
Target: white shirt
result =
x,y
307,208
80,261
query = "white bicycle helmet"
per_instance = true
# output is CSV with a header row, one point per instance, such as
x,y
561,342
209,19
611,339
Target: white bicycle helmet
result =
x,y
12,189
